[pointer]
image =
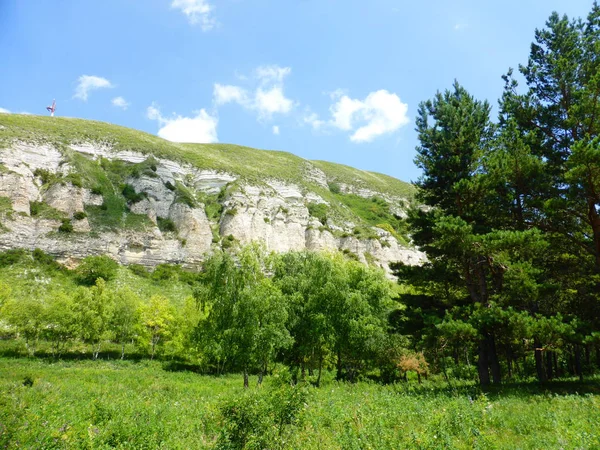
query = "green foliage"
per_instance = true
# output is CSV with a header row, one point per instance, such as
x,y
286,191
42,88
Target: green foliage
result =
x,y
157,323
185,195
139,270
46,176
94,267
131,195
319,211
6,209
334,188
228,242
138,405
66,226
12,256
376,213
79,215
166,272
44,211
166,225
260,420
245,325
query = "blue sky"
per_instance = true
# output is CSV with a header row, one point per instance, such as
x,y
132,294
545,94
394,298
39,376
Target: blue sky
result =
x,y
337,80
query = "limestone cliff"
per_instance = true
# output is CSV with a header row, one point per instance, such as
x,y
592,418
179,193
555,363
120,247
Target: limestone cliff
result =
x,y
145,201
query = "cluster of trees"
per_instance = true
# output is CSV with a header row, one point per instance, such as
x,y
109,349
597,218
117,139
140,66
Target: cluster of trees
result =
x,y
511,223
96,315
308,310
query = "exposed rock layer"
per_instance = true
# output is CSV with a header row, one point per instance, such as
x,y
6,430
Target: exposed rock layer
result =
x,y
275,213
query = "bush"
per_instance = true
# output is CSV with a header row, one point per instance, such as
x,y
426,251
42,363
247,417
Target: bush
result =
x,y
166,225
228,241
79,215
45,259
94,267
10,257
46,176
334,188
258,420
139,270
166,272
66,226
319,211
131,195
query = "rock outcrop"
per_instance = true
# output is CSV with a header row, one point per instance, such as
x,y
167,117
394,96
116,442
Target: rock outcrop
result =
x,y
170,210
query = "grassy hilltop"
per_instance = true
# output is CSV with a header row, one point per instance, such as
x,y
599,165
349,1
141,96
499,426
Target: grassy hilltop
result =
x,y
249,163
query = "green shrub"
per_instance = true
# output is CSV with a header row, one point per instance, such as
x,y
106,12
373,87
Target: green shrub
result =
x,y
79,215
184,195
258,420
131,195
45,259
170,186
75,179
166,225
66,226
334,188
228,241
10,257
47,176
94,267
319,211
139,270
166,272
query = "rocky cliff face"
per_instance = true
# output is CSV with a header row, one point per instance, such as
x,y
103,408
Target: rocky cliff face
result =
x,y
173,212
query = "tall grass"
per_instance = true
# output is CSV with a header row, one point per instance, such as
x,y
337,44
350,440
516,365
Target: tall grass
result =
x,y
121,404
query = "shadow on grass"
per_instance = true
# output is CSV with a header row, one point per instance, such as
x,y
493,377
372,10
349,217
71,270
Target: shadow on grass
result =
x,y
520,389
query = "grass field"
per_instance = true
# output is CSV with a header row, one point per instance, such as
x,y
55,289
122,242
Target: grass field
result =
x,y
122,404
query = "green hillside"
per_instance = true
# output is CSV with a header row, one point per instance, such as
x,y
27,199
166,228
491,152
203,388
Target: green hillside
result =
x,y
251,164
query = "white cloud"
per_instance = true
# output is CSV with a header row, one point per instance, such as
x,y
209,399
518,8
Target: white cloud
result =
x,y
272,101
275,129
224,94
4,111
202,128
197,12
344,110
266,98
89,83
120,102
313,120
380,113
272,74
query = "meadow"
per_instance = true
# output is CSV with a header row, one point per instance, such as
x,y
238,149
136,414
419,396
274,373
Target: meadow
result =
x,y
109,403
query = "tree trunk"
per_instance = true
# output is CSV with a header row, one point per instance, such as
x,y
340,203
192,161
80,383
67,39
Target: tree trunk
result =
x,y
318,384
123,351
493,358
539,362
245,378
339,375
482,364
578,362
549,373
263,370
